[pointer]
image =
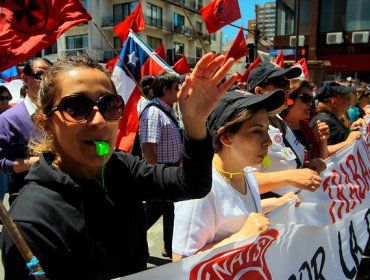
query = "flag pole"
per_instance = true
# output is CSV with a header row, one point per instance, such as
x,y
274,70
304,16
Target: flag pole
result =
x,y
119,57
195,32
14,233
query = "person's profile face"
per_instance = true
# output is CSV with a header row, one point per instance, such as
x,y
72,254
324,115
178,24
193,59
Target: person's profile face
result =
x,y
33,80
250,143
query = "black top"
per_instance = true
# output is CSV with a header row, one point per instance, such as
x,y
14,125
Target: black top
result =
x,y
338,132
77,230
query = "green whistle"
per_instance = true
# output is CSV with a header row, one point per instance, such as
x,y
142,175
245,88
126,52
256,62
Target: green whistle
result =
x,y
102,148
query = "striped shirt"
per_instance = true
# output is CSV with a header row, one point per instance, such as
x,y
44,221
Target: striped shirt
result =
x,y
156,127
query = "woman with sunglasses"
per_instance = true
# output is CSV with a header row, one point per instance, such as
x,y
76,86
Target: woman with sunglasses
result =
x,y
297,116
5,98
81,211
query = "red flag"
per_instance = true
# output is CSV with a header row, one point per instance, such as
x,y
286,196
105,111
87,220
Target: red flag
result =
x,y
161,52
181,66
253,65
239,47
27,27
239,78
134,21
303,65
279,60
219,13
111,64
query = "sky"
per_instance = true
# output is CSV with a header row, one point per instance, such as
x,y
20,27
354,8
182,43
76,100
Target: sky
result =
x,y
247,10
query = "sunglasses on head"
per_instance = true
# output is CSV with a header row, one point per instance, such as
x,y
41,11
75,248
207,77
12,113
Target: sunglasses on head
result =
x,y
278,83
2,98
78,107
305,98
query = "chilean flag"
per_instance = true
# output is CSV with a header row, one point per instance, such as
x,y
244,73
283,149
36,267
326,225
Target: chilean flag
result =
x,y
10,74
136,56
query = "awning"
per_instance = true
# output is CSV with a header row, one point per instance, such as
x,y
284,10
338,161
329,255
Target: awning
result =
x,y
347,62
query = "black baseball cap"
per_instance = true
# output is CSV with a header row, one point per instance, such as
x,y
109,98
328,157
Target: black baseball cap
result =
x,y
232,101
267,70
332,88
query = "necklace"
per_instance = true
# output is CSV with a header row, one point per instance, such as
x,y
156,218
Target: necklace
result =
x,y
230,175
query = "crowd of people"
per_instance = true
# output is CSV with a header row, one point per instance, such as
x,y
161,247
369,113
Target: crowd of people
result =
x,y
215,157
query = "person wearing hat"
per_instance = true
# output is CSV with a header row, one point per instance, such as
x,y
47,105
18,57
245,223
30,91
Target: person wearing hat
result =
x,y
288,171
359,110
232,211
333,101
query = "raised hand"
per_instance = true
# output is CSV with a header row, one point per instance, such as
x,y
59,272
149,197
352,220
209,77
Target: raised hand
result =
x,y
201,91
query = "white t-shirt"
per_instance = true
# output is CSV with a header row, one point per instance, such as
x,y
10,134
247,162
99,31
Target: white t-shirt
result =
x,y
141,104
222,212
283,157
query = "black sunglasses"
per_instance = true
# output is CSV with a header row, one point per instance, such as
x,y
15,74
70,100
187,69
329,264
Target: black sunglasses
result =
x,y
37,75
278,83
78,107
305,98
2,98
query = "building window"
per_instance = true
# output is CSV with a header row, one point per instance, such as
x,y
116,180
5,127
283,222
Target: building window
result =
x,y
154,14
286,17
154,42
199,26
198,52
357,15
77,42
121,11
178,22
52,49
178,50
117,43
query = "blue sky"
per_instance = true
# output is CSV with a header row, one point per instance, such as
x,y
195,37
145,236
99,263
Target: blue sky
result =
x,y
247,10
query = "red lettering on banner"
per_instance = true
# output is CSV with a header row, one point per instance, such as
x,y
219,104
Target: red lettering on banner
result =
x,y
347,188
246,262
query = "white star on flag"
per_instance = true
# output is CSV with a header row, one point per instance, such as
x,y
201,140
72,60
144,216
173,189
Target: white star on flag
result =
x,y
132,58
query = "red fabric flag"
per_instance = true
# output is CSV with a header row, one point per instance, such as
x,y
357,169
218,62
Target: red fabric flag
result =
x,y
27,27
134,21
111,64
279,60
239,78
303,65
219,13
161,52
239,47
253,65
181,66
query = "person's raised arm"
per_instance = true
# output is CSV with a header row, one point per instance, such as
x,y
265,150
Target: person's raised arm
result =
x,y
201,91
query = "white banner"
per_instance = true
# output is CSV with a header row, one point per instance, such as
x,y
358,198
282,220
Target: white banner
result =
x,y
323,238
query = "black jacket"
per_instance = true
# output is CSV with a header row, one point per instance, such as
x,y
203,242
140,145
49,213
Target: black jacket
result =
x,y
77,230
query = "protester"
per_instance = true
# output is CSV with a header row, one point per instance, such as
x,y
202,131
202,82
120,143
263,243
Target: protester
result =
x,y
5,97
360,109
296,117
81,213
161,142
16,128
232,211
334,100
288,170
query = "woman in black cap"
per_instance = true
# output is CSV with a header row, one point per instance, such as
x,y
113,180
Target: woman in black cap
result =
x,y
334,101
232,211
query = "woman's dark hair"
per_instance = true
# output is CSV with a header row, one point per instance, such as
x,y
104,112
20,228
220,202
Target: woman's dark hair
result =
x,y
5,89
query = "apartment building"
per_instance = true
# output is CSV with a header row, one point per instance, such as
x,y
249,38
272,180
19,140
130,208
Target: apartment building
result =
x,y
176,24
335,33
266,18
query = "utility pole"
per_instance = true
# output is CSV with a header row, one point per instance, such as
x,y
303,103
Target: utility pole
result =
x,y
296,22
256,35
